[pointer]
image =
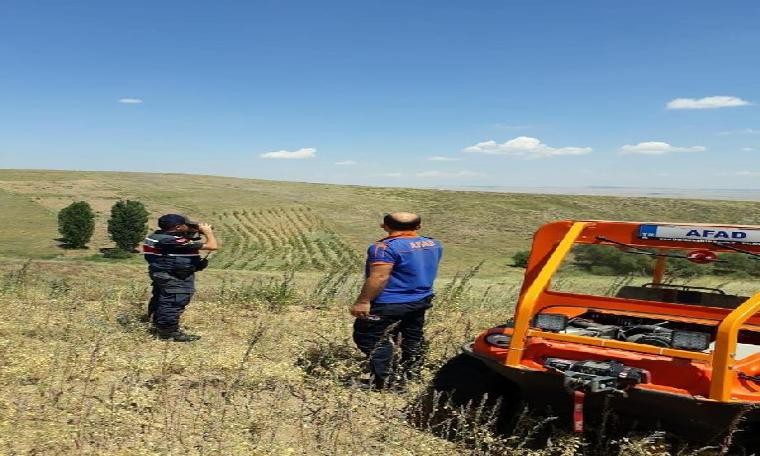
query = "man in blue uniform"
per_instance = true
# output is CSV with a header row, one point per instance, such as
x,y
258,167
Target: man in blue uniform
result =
x,y
173,256
397,291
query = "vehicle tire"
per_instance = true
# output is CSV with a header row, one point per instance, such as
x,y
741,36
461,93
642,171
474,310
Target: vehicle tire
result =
x,y
466,394
746,440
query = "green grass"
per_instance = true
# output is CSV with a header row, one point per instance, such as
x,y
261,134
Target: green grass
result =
x,y
291,238
29,230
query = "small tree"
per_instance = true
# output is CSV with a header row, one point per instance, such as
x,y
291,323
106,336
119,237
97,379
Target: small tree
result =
x,y
520,259
608,260
128,224
76,223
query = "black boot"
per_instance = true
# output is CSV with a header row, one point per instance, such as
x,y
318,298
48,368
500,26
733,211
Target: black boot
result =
x,y
390,383
176,335
368,384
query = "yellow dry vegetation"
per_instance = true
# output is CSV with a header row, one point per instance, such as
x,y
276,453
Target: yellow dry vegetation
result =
x,y
80,374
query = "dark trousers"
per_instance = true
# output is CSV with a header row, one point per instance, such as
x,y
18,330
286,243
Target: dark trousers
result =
x,y
375,335
170,296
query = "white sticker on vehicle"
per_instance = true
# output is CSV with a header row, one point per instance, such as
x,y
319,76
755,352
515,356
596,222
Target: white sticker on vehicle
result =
x,y
699,234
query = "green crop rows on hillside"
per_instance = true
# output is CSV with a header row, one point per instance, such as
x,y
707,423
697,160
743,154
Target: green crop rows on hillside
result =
x,y
281,238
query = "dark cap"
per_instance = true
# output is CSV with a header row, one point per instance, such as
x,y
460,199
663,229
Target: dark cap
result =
x,y
169,221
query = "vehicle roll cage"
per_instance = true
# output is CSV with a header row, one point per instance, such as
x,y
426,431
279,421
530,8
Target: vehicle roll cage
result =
x,y
553,242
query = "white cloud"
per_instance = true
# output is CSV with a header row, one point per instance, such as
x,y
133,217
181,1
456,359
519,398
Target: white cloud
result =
x,y
747,173
346,163
390,174
441,158
748,149
299,154
443,174
657,148
706,103
130,100
744,131
524,146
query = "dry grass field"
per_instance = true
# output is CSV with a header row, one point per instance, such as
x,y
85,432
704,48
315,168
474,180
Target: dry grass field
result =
x,y
80,373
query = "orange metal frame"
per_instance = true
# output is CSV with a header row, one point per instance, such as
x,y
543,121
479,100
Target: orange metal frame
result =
x,y
551,245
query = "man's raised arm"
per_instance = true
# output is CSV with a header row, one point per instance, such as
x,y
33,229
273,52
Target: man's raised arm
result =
x,y
211,242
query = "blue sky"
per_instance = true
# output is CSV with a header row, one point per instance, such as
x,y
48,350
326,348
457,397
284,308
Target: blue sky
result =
x,y
507,93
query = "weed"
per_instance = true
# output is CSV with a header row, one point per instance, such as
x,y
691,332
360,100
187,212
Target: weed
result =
x,y
454,292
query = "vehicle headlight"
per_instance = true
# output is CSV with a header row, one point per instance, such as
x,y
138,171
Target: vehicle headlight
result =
x,y
550,322
690,340
499,340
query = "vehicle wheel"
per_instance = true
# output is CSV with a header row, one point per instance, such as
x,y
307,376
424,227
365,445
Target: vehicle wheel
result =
x,y
747,437
466,394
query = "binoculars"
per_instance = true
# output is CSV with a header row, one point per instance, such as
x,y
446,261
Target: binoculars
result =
x,y
196,228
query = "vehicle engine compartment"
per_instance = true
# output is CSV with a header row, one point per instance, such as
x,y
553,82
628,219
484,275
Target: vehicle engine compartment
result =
x,y
656,332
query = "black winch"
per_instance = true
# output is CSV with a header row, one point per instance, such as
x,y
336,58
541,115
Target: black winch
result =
x,y
592,377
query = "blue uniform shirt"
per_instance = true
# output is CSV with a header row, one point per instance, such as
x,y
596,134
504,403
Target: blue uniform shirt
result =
x,y
415,264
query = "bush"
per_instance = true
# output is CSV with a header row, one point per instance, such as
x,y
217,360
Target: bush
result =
x,y
76,223
602,270
520,259
737,264
685,268
128,224
606,260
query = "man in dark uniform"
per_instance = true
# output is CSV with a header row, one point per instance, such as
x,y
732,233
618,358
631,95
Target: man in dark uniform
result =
x,y
397,291
173,256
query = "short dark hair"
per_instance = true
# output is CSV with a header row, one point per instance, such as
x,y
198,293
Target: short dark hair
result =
x,y
169,221
394,224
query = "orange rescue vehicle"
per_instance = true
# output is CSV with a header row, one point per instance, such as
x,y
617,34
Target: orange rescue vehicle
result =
x,y
686,358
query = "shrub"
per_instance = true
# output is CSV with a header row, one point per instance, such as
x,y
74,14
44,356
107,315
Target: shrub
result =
x,y
685,268
520,259
76,223
737,264
606,260
276,294
128,224
602,270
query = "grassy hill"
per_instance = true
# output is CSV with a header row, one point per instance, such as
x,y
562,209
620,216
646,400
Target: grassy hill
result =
x,y
274,225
